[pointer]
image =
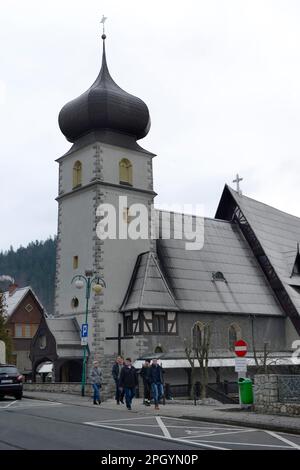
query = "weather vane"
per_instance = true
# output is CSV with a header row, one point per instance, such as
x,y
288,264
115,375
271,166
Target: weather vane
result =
x,y
104,18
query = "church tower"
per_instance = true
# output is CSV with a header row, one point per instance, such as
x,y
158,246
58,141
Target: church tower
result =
x,y
104,163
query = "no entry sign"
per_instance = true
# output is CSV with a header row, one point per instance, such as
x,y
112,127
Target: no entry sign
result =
x,y
240,348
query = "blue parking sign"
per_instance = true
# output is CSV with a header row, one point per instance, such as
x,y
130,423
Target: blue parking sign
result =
x,y
84,330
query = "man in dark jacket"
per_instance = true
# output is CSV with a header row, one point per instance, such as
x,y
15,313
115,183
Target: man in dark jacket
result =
x,y
116,372
145,374
128,381
156,380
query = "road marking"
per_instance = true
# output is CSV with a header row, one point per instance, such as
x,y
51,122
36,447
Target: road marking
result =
x,y
212,434
248,444
7,406
283,439
173,439
163,427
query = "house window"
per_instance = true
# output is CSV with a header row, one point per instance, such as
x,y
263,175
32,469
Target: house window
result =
x,y
234,334
159,322
24,330
42,342
125,172
75,262
128,325
77,174
18,330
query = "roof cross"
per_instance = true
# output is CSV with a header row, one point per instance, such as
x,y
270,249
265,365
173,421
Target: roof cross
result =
x,y
237,181
104,18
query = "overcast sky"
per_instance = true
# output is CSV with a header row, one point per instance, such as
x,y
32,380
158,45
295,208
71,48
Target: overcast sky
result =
x,y
221,80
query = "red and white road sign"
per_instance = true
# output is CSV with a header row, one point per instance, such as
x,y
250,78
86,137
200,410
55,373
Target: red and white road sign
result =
x,y
240,348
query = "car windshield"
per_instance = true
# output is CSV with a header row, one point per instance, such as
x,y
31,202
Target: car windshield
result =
x,y
8,370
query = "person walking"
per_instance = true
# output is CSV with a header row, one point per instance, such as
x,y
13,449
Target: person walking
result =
x,y
116,372
128,381
145,374
156,380
96,381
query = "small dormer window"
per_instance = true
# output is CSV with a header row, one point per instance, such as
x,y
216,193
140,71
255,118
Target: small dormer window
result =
x,y
218,276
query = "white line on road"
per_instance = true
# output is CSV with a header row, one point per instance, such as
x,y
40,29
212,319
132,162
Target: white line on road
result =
x,y
140,433
283,439
212,434
163,427
248,444
7,406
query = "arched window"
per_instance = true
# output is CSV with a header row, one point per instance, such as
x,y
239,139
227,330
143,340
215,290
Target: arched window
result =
x,y
234,334
125,172
197,334
77,174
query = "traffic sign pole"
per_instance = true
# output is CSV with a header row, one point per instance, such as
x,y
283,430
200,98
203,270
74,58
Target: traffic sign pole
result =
x,y
240,349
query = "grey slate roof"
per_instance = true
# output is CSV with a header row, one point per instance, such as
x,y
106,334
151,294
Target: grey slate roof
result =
x,y
278,234
182,279
66,332
149,288
190,273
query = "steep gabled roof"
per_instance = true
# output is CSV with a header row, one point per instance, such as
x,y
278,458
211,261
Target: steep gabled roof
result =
x,y
241,286
276,235
148,288
13,301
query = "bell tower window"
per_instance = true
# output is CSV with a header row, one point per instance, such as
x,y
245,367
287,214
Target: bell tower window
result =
x,y
125,172
77,174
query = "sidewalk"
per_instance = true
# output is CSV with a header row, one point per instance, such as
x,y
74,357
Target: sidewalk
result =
x,y
224,414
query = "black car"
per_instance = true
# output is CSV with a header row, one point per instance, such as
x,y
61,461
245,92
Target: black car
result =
x,y
11,381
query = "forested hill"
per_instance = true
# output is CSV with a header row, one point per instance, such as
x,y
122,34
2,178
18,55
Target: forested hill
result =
x,y
34,266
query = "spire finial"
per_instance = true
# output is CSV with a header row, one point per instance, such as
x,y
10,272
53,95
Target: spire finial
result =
x,y
104,18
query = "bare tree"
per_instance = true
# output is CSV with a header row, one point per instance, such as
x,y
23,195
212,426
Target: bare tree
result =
x,y
202,340
191,357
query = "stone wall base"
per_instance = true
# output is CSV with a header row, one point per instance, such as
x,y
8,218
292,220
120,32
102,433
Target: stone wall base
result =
x,y
68,387
287,409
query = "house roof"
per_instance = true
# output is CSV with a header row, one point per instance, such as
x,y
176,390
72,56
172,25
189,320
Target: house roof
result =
x,y
66,332
190,273
148,287
14,300
277,232
181,279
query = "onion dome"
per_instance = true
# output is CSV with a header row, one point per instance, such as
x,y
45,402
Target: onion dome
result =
x,y
104,106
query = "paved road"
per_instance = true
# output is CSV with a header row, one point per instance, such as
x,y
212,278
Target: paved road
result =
x,y
35,424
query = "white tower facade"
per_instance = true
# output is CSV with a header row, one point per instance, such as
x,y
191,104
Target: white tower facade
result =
x,y
105,165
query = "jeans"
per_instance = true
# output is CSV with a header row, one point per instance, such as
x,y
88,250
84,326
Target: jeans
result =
x,y
157,392
96,388
129,395
119,393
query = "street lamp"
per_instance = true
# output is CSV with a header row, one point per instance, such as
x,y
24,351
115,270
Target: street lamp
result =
x,y
96,283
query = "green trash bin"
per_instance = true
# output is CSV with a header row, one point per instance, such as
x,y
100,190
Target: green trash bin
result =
x,y
246,391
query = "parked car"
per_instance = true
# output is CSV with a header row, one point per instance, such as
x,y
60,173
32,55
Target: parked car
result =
x,y
11,381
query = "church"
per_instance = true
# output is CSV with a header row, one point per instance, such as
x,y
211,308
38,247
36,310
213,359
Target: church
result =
x,y
244,280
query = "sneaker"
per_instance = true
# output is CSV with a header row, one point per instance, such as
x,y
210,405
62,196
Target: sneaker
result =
x,y
118,402
95,403
128,407
122,401
99,402
156,407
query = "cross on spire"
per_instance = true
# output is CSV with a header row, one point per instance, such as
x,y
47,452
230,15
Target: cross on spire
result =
x,y
237,181
104,18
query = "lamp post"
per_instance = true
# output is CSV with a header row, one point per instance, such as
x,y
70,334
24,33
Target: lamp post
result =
x,y
96,283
